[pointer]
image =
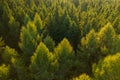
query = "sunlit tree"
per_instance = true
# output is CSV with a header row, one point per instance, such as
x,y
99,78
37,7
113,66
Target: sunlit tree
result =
x,y
4,72
41,63
108,68
29,39
82,77
64,54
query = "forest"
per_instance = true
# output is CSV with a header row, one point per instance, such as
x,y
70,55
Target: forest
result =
x,y
59,39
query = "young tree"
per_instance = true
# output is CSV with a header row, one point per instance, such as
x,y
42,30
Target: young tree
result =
x,y
48,41
88,52
108,68
82,77
8,54
41,63
38,23
64,55
29,40
4,72
106,38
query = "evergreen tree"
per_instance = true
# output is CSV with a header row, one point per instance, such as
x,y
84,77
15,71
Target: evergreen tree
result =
x,y
83,77
64,55
4,72
48,41
41,63
38,23
29,39
106,38
8,54
108,68
88,52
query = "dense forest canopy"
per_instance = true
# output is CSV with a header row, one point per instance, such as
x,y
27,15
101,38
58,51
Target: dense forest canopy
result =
x,y
59,39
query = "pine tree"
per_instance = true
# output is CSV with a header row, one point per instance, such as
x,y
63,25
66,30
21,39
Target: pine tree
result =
x,y
108,68
83,77
38,22
41,63
29,40
8,54
106,38
88,52
64,54
48,41
4,72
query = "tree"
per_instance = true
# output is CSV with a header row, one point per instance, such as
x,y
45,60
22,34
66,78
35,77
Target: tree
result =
x,y
88,52
4,72
8,54
64,55
106,38
29,39
41,63
48,41
38,23
108,68
82,77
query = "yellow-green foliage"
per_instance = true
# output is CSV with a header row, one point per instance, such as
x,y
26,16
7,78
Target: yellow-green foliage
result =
x,y
8,54
64,55
108,68
82,77
41,62
4,72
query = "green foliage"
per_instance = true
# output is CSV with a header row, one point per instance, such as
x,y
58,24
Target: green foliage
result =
x,y
106,38
29,39
17,68
1,49
1,45
38,22
88,53
108,68
41,63
4,72
64,54
8,54
75,34
48,41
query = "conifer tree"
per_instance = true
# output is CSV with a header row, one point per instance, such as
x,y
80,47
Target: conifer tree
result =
x,y
8,54
38,23
64,54
41,63
29,39
83,77
106,38
4,72
108,68
48,41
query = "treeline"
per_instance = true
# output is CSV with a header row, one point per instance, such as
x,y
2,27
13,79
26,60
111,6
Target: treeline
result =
x,y
59,39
